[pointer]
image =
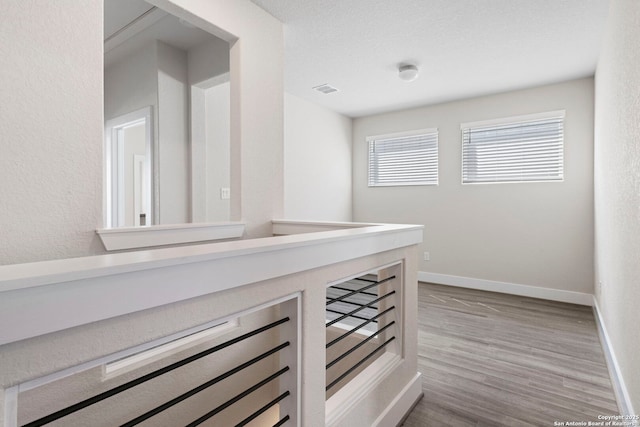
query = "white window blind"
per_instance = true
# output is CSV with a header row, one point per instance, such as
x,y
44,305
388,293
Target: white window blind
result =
x,y
404,159
520,149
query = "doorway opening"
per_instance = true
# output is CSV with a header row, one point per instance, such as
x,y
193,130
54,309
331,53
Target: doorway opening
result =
x,y
129,175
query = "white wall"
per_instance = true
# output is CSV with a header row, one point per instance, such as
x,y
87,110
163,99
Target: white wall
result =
x,y
317,162
536,234
617,189
217,103
207,60
210,130
50,129
131,83
51,126
173,135
256,69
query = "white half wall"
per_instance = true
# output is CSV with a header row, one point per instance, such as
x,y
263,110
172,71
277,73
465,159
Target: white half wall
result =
x,y
50,129
617,193
317,162
533,234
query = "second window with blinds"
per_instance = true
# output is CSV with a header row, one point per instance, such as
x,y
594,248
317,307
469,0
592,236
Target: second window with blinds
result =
x,y
517,149
408,158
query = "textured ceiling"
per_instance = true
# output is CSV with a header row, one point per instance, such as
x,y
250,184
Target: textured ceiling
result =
x,y
464,48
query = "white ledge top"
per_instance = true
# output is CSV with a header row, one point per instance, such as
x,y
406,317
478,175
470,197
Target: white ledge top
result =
x,y
157,235
21,276
151,228
48,296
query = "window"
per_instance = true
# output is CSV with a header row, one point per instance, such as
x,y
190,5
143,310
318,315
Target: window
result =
x,y
518,149
409,158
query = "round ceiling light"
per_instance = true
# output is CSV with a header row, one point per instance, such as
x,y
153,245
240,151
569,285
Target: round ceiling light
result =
x,y
408,73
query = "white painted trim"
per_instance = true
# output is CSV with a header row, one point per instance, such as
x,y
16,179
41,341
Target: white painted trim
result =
x,y
292,357
139,204
71,292
10,408
287,227
157,235
402,134
514,119
139,24
617,380
214,81
232,318
121,366
507,288
339,405
399,408
373,273
55,376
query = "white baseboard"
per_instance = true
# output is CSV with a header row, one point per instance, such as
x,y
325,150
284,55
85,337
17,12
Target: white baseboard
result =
x,y
399,408
617,381
507,288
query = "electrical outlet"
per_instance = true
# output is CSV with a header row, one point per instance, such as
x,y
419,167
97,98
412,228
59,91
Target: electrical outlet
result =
x,y
427,257
225,193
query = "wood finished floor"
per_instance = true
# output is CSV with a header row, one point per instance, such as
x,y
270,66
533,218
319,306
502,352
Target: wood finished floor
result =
x,y
491,359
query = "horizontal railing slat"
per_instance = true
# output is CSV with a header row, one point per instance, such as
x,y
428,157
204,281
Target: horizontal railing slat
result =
x,y
202,387
360,344
282,421
344,316
262,410
360,363
236,398
364,288
360,326
340,288
133,383
355,317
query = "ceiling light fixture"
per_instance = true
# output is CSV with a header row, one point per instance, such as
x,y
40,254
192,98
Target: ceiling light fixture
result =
x,y
408,72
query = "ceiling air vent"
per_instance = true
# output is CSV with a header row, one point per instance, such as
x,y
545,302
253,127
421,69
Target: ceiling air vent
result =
x,y
325,88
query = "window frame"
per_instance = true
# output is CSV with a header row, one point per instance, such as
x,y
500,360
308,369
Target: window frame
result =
x,y
404,134
505,121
